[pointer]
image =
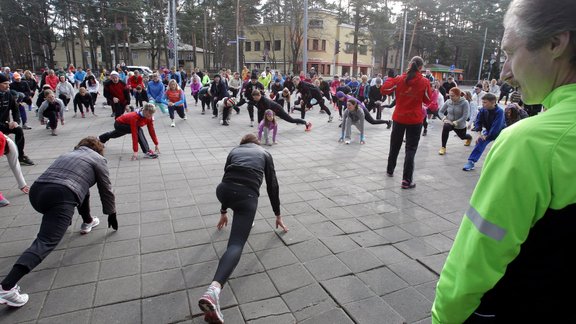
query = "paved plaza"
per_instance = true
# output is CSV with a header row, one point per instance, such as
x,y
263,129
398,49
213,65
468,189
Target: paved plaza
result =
x,y
359,250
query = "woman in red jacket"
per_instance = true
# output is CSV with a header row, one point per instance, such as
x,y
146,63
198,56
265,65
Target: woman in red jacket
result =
x,y
132,123
412,90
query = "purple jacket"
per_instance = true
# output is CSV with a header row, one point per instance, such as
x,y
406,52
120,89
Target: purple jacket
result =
x,y
195,87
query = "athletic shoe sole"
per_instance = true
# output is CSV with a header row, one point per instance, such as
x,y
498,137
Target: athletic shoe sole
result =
x,y
209,309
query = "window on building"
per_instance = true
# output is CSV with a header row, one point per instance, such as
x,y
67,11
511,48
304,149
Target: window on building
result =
x,y
257,46
315,23
247,46
314,44
277,45
266,45
324,45
363,49
348,48
134,56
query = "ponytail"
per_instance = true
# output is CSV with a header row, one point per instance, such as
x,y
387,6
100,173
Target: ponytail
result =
x,y
415,64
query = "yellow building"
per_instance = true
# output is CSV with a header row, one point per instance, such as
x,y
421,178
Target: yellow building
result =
x,y
269,45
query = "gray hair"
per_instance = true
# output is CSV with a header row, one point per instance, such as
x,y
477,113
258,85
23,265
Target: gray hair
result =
x,y
538,20
149,107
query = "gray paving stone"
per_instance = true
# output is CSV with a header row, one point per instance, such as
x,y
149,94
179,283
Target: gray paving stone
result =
x,y
393,234
121,248
347,289
252,288
169,308
413,272
125,232
338,244
76,274
276,257
249,264
120,313
200,274
118,290
119,267
79,317
327,267
359,260
264,310
416,248
158,243
388,254
309,250
368,238
188,224
264,241
69,299
428,290
191,238
409,303
335,315
36,281
382,281
28,312
291,277
166,281
373,310
158,261
307,301
233,316
155,228
82,254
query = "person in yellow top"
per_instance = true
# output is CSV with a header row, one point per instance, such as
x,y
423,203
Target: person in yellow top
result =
x,y
511,261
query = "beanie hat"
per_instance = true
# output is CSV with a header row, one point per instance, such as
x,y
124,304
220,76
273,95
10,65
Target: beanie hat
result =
x,y
3,78
340,94
254,76
16,75
114,73
2,143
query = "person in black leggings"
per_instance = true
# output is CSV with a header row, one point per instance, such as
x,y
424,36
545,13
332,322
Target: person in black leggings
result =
x,y
64,186
245,168
262,104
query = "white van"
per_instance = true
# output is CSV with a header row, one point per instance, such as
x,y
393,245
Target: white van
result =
x,y
144,70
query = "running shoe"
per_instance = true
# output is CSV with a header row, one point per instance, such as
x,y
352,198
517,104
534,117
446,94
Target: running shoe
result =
x,y
468,166
210,305
86,228
13,297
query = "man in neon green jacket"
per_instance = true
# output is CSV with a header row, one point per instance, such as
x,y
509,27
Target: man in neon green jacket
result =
x,y
511,259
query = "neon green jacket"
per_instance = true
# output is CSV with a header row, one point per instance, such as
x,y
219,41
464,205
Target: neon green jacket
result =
x,y
205,80
528,172
265,80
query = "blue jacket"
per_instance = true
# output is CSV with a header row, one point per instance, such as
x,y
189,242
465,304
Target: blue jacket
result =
x,y
492,120
79,76
156,91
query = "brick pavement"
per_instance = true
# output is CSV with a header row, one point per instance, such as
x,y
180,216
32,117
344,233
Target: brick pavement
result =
x,y
359,249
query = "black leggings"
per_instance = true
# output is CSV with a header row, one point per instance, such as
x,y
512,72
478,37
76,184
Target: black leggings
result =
x,y
368,117
56,203
412,139
282,114
460,132
244,202
123,129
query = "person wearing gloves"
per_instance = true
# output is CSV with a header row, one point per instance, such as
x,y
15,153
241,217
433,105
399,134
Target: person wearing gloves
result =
x,y
454,113
117,94
64,186
354,115
246,166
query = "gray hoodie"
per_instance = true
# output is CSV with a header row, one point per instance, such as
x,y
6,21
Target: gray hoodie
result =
x,y
455,112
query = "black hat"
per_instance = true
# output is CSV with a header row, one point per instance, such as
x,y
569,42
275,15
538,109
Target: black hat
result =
x,y
3,78
254,75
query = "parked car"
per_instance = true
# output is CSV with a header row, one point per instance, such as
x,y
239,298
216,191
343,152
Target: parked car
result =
x,y
144,70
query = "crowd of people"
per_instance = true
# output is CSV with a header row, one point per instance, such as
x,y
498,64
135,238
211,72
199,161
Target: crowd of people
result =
x,y
414,95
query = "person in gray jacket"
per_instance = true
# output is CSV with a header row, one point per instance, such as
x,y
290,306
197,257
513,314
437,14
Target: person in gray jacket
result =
x,y
353,115
64,186
454,113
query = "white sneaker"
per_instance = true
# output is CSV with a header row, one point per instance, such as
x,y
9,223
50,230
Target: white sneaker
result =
x,y
347,141
172,125
13,297
330,118
210,305
252,124
185,117
86,228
